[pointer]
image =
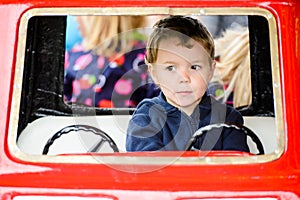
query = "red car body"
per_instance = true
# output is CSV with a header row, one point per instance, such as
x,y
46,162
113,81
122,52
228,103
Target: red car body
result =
x,y
277,178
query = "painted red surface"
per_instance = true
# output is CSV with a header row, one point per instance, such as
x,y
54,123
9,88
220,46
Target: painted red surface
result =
x,y
279,178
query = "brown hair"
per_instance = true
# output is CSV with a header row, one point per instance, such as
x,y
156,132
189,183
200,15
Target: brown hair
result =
x,y
182,27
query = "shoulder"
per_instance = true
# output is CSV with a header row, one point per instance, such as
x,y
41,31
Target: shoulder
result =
x,y
77,48
149,113
150,105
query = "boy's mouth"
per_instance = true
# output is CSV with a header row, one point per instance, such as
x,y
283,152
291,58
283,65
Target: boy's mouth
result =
x,y
184,93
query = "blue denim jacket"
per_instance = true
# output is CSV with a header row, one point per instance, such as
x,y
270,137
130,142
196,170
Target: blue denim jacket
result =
x,y
157,125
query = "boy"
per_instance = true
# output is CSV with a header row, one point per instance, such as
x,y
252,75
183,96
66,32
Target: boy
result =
x,y
180,59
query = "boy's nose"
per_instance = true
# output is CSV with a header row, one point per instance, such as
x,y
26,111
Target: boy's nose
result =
x,y
184,76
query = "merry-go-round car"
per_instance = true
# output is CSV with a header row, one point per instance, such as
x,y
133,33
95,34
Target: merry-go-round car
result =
x,y
55,149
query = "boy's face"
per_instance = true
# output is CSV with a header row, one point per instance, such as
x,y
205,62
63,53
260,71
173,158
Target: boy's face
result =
x,y
182,73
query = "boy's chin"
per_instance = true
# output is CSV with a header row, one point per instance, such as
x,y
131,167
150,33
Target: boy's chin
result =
x,y
184,103
187,104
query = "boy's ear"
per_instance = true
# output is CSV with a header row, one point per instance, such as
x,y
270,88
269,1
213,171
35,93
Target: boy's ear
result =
x,y
212,69
151,71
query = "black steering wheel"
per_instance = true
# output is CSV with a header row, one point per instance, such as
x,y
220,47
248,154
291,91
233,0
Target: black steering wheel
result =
x,y
104,138
209,127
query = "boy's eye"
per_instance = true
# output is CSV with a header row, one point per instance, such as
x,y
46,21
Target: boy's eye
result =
x,y
170,68
196,67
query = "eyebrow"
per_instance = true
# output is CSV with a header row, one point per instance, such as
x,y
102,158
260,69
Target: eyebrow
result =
x,y
192,62
167,62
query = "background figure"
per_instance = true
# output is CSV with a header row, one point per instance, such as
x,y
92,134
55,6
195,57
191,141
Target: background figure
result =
x,y
107,68
218,24
233,67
